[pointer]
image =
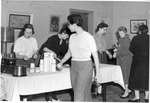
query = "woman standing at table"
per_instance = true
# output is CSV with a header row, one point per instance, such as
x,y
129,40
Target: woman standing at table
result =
x,y
57,44
81,47
139,76
26,48
124,57
101,42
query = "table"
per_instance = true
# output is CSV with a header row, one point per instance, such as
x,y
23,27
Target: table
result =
x,y
110,73
52,81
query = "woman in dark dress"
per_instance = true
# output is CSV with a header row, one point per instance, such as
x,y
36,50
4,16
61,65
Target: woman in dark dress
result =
x,y
57,44
139,75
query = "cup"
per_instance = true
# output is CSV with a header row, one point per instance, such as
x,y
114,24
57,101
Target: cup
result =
x,y
37,70
31,70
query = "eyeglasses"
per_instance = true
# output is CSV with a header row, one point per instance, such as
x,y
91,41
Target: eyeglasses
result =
x,y
28,32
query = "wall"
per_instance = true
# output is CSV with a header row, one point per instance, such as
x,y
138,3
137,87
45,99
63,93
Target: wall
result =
x,y
41,11
123,12
114,14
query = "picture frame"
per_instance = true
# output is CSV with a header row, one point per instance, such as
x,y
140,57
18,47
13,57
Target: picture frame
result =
x,y
54,23
134,25
17,21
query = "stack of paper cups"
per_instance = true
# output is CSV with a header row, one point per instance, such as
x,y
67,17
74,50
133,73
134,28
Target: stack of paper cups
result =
x,y
41,65
46,62
32,65
53,65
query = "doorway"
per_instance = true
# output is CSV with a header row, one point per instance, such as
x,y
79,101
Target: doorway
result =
x,y
87,19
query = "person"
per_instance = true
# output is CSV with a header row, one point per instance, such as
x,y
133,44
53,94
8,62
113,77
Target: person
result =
x,y
139,75
124,57
81,46
57,44
101,42
26,48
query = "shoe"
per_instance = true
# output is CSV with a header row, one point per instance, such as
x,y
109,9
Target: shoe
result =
x,y
146,100
125,97
130,93
47,98
136,100
54,100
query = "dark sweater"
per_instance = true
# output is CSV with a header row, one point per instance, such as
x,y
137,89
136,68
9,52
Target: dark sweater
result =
x,y
52,43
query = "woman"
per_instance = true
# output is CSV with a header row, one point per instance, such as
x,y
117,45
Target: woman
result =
x,y
25,48
124,57
101,42
57,44
139,76
81,47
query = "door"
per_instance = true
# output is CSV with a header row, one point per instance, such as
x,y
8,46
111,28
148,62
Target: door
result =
x,y
84,17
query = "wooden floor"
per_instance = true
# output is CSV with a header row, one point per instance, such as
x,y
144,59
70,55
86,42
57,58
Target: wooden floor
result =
x,y
113,92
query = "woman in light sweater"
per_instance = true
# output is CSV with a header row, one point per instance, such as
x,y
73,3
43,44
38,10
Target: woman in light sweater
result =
x,y
81,46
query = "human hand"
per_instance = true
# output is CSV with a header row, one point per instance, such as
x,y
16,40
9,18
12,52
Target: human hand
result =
x,y
114,55
35,56
26,58
110,56
54,55
98,78
59,66
115,50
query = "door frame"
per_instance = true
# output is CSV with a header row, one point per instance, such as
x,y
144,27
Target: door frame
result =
x,y
90,18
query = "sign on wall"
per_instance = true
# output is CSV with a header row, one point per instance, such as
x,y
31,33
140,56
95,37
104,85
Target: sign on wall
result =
x,y
134,25
18,20
54,23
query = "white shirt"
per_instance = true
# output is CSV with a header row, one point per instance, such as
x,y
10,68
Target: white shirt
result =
x,y
81,46
25,46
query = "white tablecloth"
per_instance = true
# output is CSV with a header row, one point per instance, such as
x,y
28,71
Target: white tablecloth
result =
x,y
47,82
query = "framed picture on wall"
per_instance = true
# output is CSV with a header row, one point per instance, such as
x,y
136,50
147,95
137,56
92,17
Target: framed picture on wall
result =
x,y
18,20
134,25
54,23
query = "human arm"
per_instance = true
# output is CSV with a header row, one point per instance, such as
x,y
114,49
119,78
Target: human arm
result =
x,y
50,51
65,58
35,55
109,54
46,45
97,66
35,49
21,56
18,47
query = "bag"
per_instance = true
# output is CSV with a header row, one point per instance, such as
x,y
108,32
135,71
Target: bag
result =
x,y
95,87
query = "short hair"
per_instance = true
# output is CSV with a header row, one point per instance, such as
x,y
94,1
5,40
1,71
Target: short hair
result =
x,y
143,29
65,30
101,25
29,26
122,28
75,19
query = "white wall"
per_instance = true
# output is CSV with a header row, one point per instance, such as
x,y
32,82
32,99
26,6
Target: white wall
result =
x,y
42,10
114,14
123,12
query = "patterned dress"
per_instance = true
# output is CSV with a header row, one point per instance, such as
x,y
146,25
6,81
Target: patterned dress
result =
x,y
139,75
